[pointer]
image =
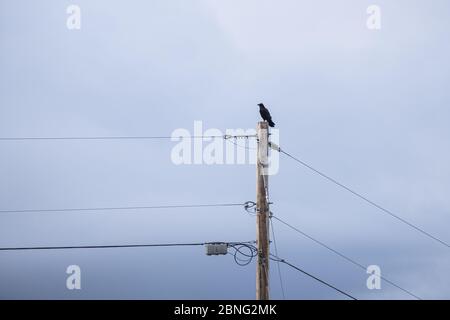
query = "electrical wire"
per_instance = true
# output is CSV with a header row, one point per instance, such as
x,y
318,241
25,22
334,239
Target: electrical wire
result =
x,y
248,256
366,199
250,208
253,252
275,258
226,136
125,208
278,262
359,265
104,138
120,246
102,246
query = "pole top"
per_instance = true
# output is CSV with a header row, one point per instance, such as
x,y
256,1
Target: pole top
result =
x,y
263,125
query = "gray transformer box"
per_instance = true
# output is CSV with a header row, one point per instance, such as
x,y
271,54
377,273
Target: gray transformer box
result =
x,y
216,249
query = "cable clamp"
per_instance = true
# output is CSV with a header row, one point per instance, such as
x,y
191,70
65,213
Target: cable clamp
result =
x,y
274,146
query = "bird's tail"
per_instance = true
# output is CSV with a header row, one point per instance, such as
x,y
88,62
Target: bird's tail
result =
x,y
271,123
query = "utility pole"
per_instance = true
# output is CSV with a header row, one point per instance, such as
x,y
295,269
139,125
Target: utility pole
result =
x,y
262,213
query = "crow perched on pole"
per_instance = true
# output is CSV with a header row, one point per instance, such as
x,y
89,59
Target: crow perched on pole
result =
x,y
265,114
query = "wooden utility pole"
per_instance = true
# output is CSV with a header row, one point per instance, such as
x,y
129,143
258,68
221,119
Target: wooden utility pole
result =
x,y
262,213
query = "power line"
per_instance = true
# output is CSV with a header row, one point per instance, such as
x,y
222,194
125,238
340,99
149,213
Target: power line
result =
x,y
359,265
120,246
275,258
103,138
366,199
125,208
103,246
226,136
253,252
278,263
248,257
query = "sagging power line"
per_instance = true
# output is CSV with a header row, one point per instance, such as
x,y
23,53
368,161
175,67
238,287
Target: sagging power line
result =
x,y
275,258
364,198
179,206
146,245
237,246
225,136
348,259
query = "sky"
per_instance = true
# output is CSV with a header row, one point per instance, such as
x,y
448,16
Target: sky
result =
x,y
367,107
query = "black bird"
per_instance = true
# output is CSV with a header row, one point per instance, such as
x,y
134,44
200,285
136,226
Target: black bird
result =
x,y
265,114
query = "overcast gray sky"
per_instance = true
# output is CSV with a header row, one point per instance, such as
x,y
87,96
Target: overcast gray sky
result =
x,y
368,107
